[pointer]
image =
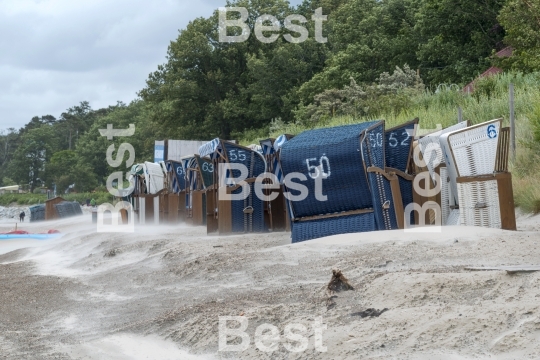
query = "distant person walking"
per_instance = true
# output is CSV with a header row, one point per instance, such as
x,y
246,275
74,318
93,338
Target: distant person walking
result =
x,y
93,203
21,216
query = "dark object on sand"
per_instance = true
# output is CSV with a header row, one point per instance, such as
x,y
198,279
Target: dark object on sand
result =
x,y
370,313
338,282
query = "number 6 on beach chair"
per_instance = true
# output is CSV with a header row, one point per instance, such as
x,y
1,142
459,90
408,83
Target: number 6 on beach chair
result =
x,y
483,186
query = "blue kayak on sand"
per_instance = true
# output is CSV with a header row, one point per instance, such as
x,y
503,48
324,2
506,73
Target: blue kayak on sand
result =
x,y
29,236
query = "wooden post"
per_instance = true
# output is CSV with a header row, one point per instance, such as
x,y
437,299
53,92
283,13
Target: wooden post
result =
x,y
459,114
512,123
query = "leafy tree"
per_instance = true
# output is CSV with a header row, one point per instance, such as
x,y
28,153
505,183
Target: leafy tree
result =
x,y
210,88
367,38
65,169
75,120
521,20
91,148
456,38
36,147
8,181
37,122
8,143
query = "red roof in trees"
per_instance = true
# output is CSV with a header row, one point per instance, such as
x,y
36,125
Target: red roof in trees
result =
x,y
506,52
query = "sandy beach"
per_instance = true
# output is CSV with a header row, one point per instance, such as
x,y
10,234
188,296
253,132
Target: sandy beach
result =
x,y
158,293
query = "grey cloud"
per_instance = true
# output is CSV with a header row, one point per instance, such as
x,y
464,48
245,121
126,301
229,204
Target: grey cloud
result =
x,y
56,53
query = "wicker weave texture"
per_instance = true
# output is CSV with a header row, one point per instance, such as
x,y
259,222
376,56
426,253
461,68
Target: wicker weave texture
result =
x,y
373,154
383,202
240,155
407,195
334,152
244,222
314,229
398,145
453,218
475,149
431,148
373,146
501,163
479,204
67,209
445,195
37,213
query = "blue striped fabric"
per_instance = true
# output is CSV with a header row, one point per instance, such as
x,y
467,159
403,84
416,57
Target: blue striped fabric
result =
x,y
209,148
278,144
174,184
178,179
267,147
280,141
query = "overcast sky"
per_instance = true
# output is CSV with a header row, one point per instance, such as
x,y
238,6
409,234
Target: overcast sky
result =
x,y
57,53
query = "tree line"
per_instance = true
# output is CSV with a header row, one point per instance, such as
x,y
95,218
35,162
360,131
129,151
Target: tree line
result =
x,y
377,54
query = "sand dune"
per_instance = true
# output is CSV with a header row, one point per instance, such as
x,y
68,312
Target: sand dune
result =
x,y
158,293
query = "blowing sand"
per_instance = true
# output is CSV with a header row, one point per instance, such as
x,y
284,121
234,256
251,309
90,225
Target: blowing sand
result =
x,y
158,293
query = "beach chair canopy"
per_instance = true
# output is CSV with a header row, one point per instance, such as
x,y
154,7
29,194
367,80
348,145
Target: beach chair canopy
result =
x,y
473,150
399,141
334,155
431,149
210,148
154,177
228,152
271,148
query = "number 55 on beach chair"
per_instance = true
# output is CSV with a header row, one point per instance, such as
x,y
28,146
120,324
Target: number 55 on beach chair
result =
x,y
235,216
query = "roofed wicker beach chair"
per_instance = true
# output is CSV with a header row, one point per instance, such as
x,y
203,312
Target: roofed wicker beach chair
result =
x,y
483,185
398,157
347,188
276,210
235,216
174,201
440,173
177,182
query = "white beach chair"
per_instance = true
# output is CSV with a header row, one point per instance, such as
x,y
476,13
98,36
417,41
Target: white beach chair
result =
x,y
479,203
478,157
472,151
435,158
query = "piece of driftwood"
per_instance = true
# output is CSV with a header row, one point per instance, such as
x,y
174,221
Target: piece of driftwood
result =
x,y
338,282
370,313
509,269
